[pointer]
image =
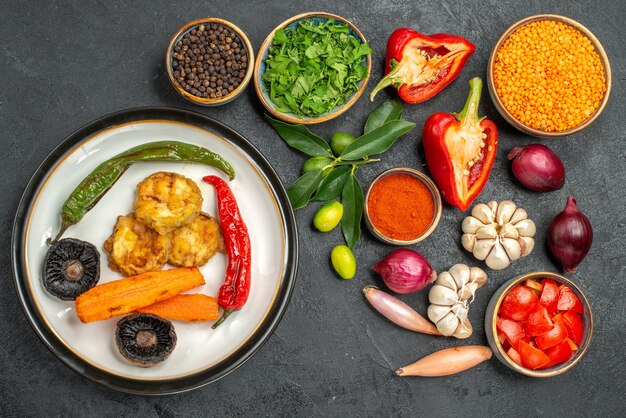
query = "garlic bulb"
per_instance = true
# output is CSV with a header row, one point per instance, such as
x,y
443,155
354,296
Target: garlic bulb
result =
x,y
450,297
498,233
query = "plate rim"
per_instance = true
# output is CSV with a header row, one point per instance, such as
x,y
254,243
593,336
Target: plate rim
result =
x,y
254,342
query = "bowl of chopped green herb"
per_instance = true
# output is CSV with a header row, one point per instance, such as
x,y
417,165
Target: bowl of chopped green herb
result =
x,y
312,68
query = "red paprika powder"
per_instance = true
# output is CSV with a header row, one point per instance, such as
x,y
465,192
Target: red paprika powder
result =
x,y
401,206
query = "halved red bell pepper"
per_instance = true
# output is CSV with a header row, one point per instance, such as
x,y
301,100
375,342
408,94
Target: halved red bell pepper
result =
x,y
532,358
538,321
549,295
558,354
553,337
574,326
460,150
420,66
512,330
568,300
518,304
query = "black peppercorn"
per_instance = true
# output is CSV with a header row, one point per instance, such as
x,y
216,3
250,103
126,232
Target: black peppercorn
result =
x,y
209,61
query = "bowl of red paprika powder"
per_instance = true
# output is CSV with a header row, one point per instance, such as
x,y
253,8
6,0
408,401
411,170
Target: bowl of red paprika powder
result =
x,y
402,206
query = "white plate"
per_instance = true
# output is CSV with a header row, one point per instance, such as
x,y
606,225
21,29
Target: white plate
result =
x,y
201,353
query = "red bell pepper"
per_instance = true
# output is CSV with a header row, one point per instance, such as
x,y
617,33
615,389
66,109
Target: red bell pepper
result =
x,y
512,330
532,358
538,322
518,303
568,300
460,150
574,326
549,295
420,66
558,354
553,337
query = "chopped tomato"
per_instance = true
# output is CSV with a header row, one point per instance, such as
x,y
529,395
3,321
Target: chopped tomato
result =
x,y
557,317
558,354
533,285
512,330
552,337
539,322
574,326
531,357
501,337
568,300
572,345
514,355
549,295
518,303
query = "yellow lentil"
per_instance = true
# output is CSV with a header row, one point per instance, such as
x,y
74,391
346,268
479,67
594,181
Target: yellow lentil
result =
x,y
549,76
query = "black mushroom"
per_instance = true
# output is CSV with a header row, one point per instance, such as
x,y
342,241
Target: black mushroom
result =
x,y
71,267
144,339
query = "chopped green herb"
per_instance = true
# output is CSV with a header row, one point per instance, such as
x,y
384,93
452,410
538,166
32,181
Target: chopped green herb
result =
x,y
314,67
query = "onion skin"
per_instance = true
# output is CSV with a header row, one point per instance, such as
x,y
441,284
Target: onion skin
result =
x,y
398,312
570,236
537,167
446,362
405,271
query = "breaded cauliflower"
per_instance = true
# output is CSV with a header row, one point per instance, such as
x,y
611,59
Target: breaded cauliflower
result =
x,y
194,244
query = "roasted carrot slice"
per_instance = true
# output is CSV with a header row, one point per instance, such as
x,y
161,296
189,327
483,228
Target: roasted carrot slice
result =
x,y
133,293
195,307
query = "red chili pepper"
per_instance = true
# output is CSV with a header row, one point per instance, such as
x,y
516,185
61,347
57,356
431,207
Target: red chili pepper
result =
x,y
233,294
460,150
420,66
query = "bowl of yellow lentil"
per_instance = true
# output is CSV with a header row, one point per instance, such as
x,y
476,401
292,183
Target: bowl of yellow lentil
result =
x,y
548,76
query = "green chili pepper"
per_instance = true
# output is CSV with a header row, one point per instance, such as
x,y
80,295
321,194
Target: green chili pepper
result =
x,y
99,181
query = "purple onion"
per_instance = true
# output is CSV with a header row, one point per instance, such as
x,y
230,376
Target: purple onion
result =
x,y
398,312
537,167
570,236
405,271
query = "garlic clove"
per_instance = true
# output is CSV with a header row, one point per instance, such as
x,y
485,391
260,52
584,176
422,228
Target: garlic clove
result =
x,y
471,225
446,279
509,231
448,324
436,312
468,291
464,330
512,248
493,206
483,213
478,276
497,259
529,244
505,211
486,232
441,295
482,248
461,275
519,215
468,241
526,228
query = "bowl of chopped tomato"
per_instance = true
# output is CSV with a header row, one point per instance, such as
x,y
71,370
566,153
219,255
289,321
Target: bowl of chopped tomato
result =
x,y
539,324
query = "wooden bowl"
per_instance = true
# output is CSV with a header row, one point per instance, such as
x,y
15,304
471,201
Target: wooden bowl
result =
x,y
433,191
205,101
498,102
259,69
492,333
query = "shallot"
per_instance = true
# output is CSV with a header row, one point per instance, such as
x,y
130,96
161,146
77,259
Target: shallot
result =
x,y
537,167
447,362
570,236
405,271
398,312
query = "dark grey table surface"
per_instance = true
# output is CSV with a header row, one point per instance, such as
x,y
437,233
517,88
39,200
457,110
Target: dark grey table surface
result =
x,y
65,63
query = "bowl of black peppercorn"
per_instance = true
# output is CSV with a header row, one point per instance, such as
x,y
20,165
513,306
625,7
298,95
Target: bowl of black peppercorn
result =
x,y
209,61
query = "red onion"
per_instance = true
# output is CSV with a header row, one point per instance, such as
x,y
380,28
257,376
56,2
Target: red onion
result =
x,y
405,271
537,167
570,236
398,312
